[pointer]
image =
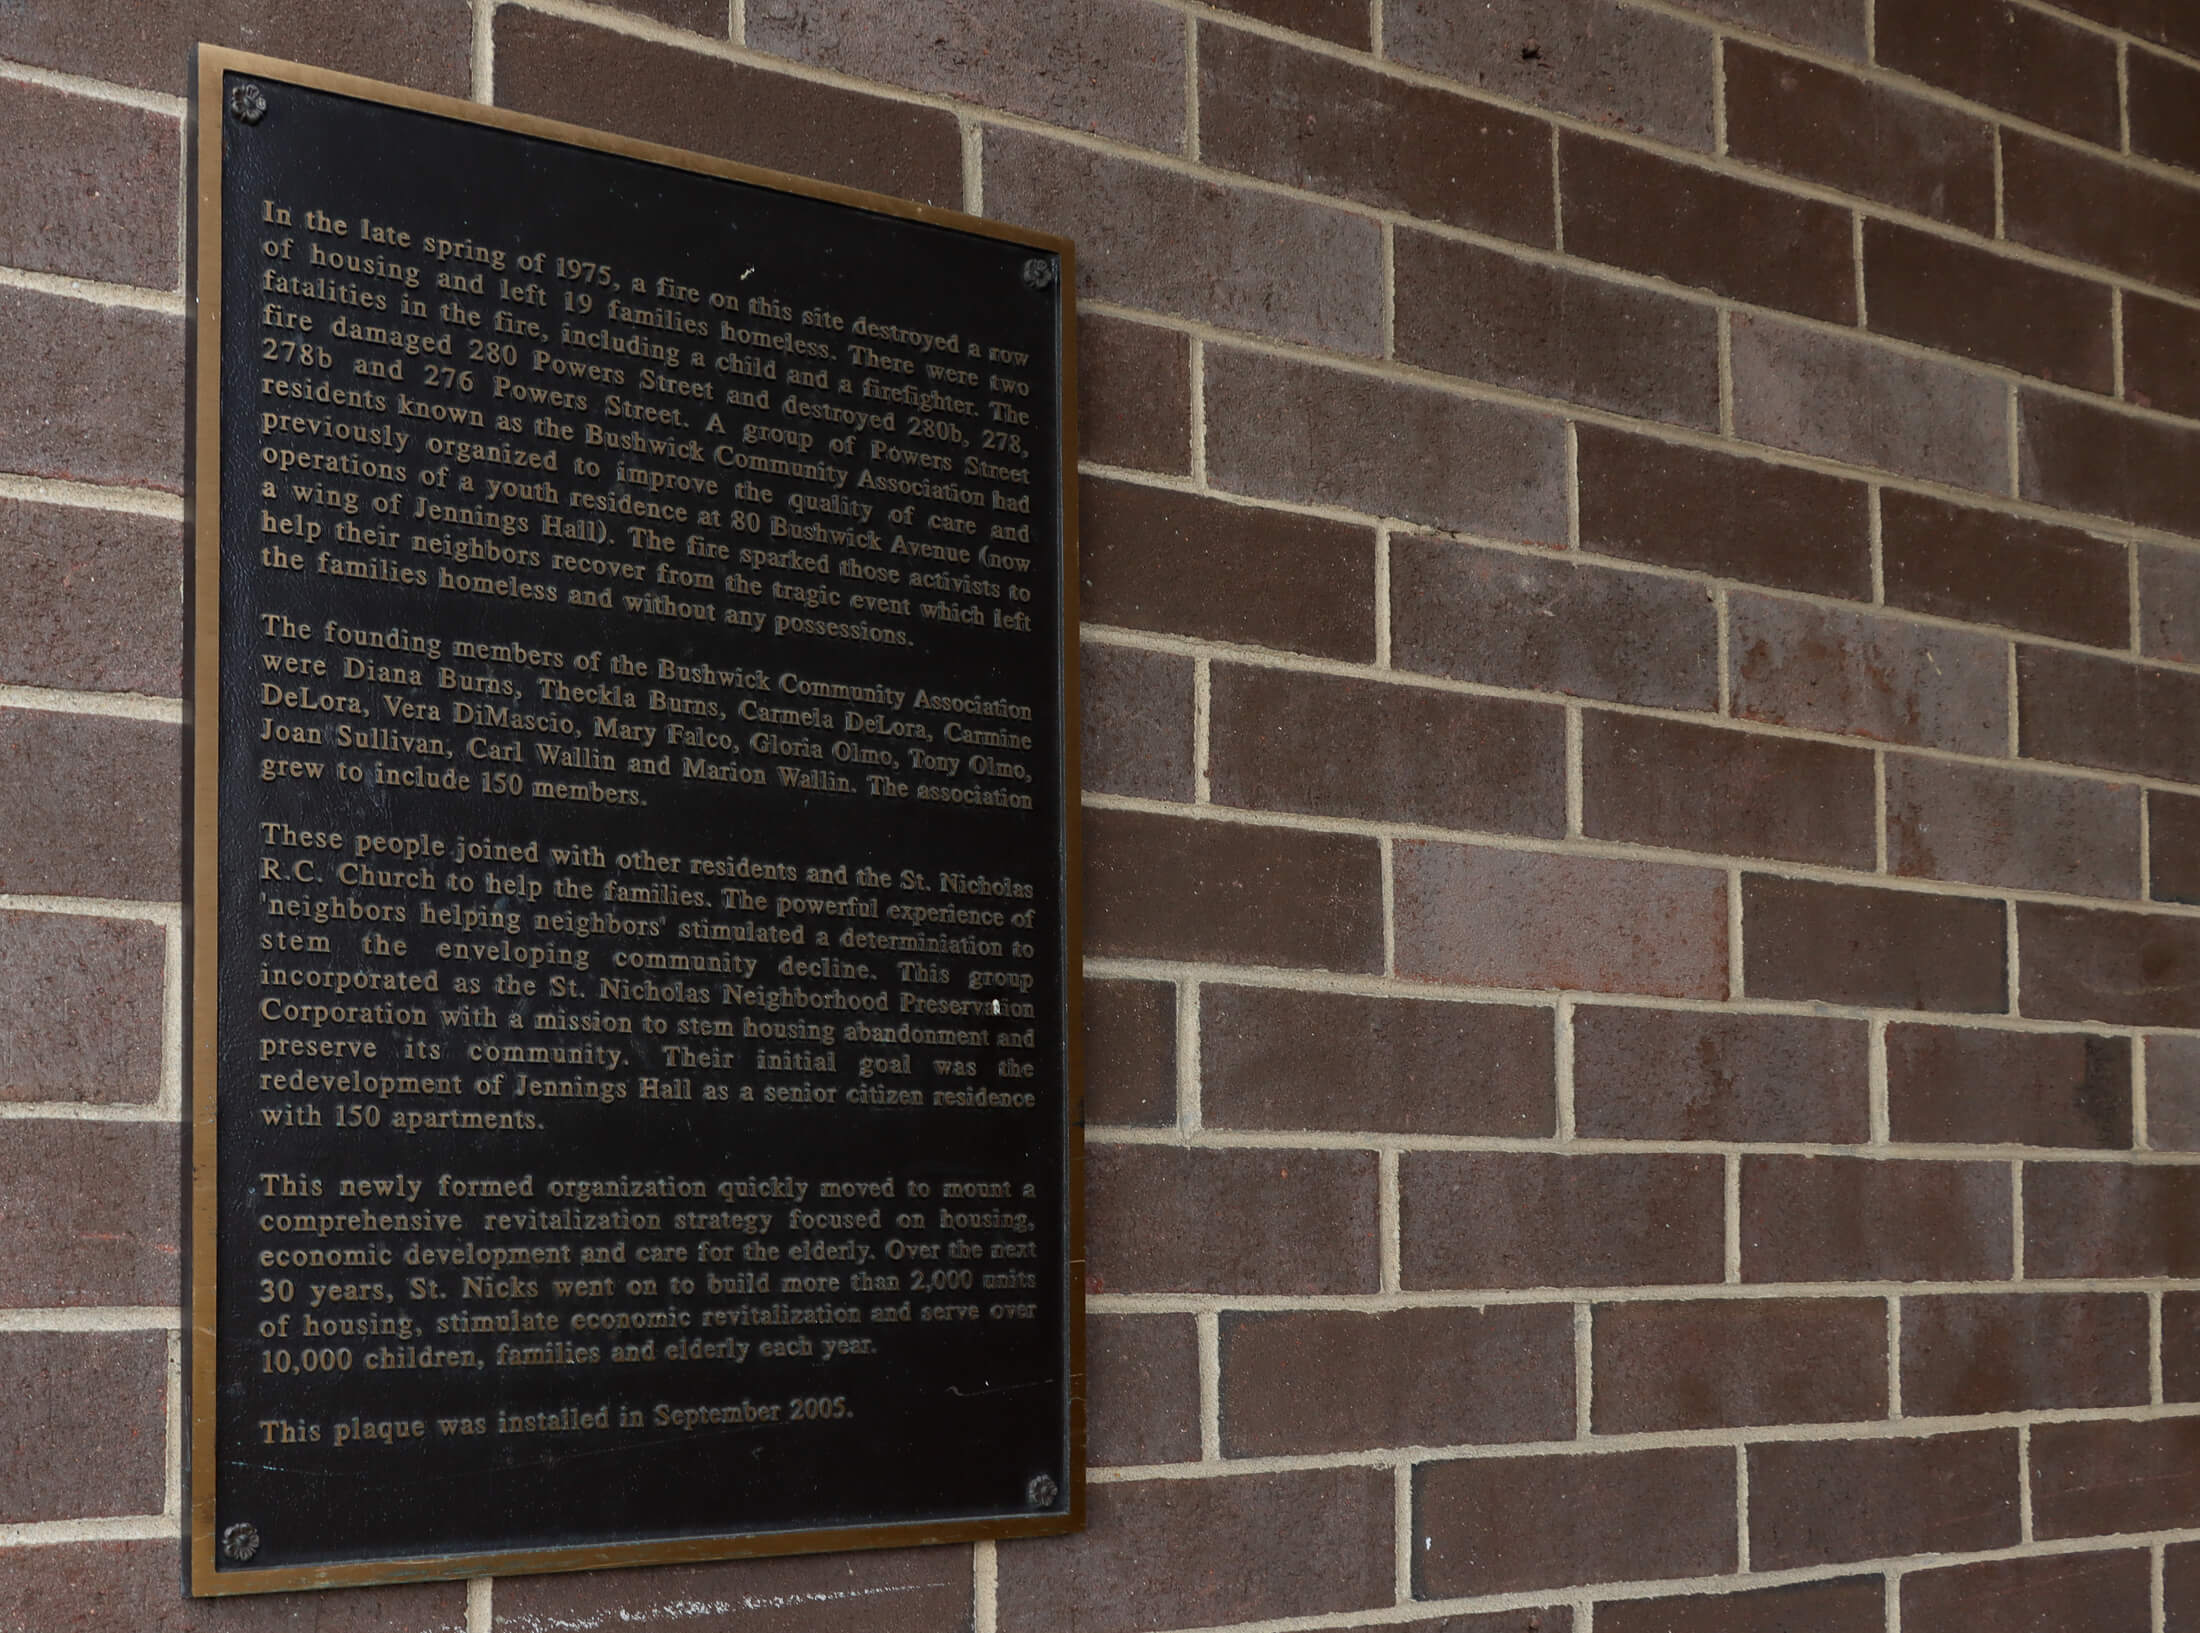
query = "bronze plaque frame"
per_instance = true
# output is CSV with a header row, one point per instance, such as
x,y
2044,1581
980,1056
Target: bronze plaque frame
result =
x,y
205,1577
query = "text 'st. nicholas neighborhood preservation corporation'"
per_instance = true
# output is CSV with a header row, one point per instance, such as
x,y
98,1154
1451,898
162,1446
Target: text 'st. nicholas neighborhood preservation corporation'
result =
x,y
634,1086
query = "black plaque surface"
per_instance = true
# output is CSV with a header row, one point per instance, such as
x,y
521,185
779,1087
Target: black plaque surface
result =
x,y
634,1093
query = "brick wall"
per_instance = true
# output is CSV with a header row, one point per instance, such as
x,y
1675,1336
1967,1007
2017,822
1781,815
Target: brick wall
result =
x,y
1642,578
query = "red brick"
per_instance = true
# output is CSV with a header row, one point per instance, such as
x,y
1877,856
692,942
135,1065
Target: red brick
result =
x,y
1160,887
1143,1388
2173,838
90,393
1739,518
133,1585
2165,22
1817,392
1514,1524
1172,243
1884,948
1824,1502
1991,568
92,600
1523,919
1638,210
2101,711
1134,395
1345,22
1285,740
1111,66
2180,1347
2081,457
1985,826
1175,1219
1273,1058
1643,780
1475,1219
1655,1074
2095,209
1535,327
910,1590
2169,603
2110,1220
1137,709
1287,430
1156,559
2009,57
1607,63
1863,137
423,43
1854,1604
1311,121
661,93
1731,1363
2091,1478
90,190
2165,110
1335,1381
2022,1352
2067,1593
2128,969
1868,675
83,1011
1130,1052
1194,1553
1509,619
2173,1093
90,806
1942,293
83,1427
90,1214
1951,1084
1815,1219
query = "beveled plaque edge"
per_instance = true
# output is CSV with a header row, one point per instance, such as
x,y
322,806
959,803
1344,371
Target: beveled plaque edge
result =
x,y
202,509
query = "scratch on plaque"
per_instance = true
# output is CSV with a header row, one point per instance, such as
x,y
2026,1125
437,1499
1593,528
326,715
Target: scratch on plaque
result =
x,y
682,1610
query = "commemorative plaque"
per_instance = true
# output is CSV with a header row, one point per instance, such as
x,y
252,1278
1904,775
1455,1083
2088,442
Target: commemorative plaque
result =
x,y
634,1065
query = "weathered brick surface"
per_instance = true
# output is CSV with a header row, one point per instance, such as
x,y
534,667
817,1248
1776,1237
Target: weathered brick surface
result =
x,y
1277,1059
1649,214
2100,1592
2022,61
1198,1553
1115,67
660,93
1970,1084
2129,969
1130,1052
2180,1346
83,1424
90,393
2173,1093
1288,741
2086,458
2165,109
1850,1605
1850,1219
1860,136
1957,298
134,1585
914,1590
1513,1524
1294,431
705,17
1982,825
1159,887
90,806
1134,395
2088,207
1170,1219
2098,1219
1794,663
1310,121
93,600
1991,568
90,1212
2173,841
2165,22
2022,1352
2088,710
1333,1381
90,189
1509,619
1529,1219
1137,722
1732,1363
1532,326
2091,1478
1142,1383
1848,944
82,1008
1650,1074
2161,353
1677,506
1599,60
2169,601
1344,22
1824,1502
1643,780
1522,919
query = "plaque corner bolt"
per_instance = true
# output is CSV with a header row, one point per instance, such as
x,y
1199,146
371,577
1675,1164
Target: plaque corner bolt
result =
x,y
247,103
1039,273
240,1542
1042,1491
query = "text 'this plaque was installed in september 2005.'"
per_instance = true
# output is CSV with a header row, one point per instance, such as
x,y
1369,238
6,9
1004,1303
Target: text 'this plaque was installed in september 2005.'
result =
x,y
634,917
